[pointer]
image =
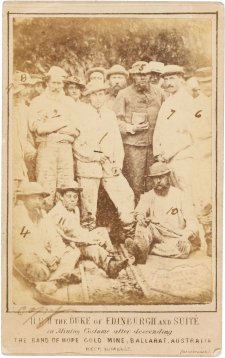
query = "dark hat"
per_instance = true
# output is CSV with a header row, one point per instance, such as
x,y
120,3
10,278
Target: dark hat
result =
x,y
158,168
117,69
75,80
31,188
72,185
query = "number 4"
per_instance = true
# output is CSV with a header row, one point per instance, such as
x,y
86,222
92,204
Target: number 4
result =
x,y
23,232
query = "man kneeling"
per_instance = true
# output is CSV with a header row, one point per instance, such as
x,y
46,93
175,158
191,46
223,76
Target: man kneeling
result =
x,y
166,223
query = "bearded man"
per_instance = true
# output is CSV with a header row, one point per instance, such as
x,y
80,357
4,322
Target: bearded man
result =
x,y
166,223
136,108
117,77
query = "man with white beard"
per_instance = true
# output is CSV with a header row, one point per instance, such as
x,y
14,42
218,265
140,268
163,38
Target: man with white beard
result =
x,y
51,120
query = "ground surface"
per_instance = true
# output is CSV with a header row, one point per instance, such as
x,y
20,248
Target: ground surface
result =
x,y
159,281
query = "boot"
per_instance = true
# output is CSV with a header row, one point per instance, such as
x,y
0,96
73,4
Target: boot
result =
x,y
134,249
127,230
69,278
48,287
115,267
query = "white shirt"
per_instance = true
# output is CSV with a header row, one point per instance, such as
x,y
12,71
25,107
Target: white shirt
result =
x,y
173,136
99,133
173,210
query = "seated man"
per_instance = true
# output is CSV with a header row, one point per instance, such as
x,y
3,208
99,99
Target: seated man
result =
x,y
39,256
94,245
166,224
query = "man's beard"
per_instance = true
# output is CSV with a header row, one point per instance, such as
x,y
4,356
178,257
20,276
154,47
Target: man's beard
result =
x,y
141,87
161,190
115,90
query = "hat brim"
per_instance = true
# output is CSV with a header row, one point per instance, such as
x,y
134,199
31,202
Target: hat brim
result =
x,y
43,193
159,174
135,72
204,79
88,92
81,85
95,69
156,71
172,73
63,190
126,74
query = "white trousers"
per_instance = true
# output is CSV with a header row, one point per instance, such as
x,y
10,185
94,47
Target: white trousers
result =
x,y
118,190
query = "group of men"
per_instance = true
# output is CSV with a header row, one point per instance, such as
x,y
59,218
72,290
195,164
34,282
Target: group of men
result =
x,y
141,142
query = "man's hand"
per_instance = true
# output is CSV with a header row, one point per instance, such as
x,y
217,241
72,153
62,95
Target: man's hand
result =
x,y
116,171
138,127
182,245
101,157
160,158
141,220
99,241
52,263
70,129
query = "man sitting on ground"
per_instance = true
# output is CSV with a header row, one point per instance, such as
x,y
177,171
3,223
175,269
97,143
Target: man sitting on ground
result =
x,y
39,255
166,223
94,245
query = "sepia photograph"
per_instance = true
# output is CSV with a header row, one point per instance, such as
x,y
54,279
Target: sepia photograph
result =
x,y
112,134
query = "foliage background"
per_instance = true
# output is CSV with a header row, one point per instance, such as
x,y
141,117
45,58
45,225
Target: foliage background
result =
x,y
77,44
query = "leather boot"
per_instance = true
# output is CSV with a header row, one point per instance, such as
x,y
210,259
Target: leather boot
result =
x,y
115,267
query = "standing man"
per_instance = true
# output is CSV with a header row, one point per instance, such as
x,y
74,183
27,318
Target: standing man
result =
x,y
73,88
23,148
96,73
166,223
172,139
156,69
99,154
136,108
51,121
117,77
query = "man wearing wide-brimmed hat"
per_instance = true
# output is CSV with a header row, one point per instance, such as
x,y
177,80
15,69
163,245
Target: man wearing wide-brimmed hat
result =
x,y
38,85
117,77
204,77
136,108
96,74
23,146
94,245
74,86
40,255
173,134
51,120
166,223
99,154
156,69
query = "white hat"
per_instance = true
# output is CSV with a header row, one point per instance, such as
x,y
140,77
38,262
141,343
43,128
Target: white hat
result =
x,y
95,86
156,66
172,69
57,72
